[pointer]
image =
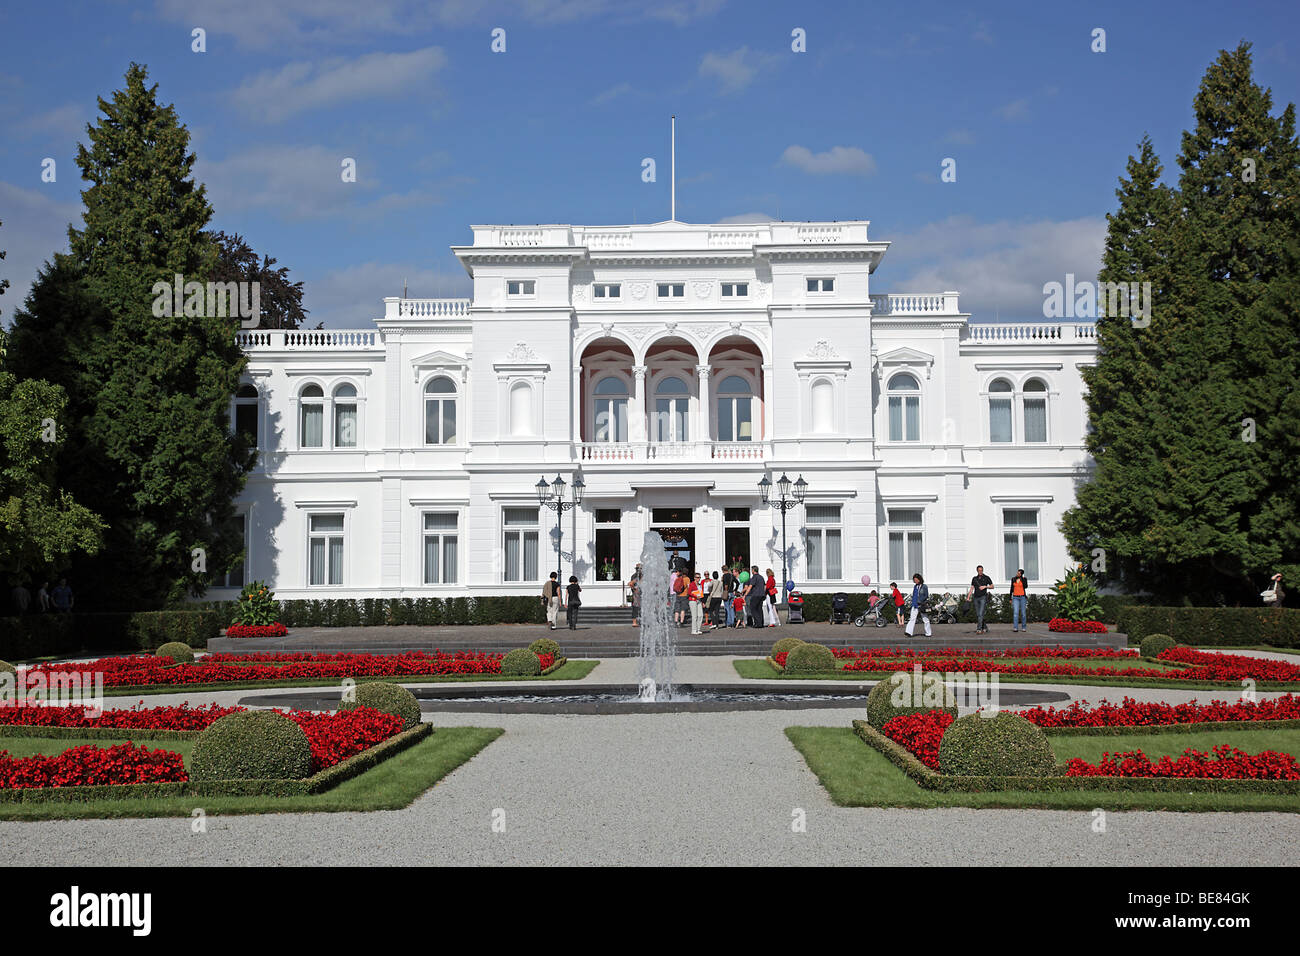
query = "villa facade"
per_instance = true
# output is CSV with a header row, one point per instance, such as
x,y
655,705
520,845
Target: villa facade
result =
x,y
671,367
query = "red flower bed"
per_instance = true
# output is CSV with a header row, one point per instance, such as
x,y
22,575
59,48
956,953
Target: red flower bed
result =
x,y
257,630
920,733
1226,763
911,653
336,737
1132,713
183,717
90,765
1076,627
150,671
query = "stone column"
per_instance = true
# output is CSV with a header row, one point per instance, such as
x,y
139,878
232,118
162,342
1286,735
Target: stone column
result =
x,y
769,405
577,403
702,431
636,426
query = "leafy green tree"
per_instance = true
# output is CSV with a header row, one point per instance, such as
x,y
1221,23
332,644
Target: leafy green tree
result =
x,y
1212,507
41,526
150,394
280,297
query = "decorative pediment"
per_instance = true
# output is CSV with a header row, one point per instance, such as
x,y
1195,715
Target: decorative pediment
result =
x,y
906,358
522,352
522,359
438,359
822,355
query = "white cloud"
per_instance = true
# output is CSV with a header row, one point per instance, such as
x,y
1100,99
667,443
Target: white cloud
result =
x,y
1015,110
35,226
998,267
353,297
962,137
749,217
273,95
837,159
610,94
61,123
737,69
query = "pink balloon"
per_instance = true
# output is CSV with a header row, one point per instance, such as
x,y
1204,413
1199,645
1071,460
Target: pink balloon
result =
x,y
866,580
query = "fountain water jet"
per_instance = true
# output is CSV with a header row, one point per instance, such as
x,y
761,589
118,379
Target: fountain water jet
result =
x,y
658,656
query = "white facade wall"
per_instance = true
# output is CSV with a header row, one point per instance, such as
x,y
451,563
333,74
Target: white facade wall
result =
x,y
523,368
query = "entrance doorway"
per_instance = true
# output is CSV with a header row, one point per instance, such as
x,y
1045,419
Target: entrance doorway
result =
x,y
679,545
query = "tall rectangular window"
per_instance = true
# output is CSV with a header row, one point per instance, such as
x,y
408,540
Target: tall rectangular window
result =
x,y
313,425
906,543
825,543
1035,419
999,419
441,546
520,544
325,547
234,578
1020,542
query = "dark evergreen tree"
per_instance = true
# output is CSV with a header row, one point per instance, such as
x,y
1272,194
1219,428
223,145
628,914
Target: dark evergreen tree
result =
x,y
280,297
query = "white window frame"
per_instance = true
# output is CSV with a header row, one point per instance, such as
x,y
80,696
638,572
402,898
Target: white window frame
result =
x,y
335,401
719,396
426,397
600,374
819,285
527,288
1019,531
225,578
735,290
906,531
607,290
301,400
521,530
676,290
243,402
674,397
903,395
1046,397
327,536
820,530
441,535
991,396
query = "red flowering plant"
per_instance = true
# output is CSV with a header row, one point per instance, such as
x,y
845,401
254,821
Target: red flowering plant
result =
x,y
90,765
334,737
257,630
920,734
1067,626
1133,713
257,608
1225,763
139,717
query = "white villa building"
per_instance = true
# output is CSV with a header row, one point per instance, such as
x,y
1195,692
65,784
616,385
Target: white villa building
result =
x,y
672,367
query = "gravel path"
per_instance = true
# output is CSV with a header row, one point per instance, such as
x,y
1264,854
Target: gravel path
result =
x,y
654,789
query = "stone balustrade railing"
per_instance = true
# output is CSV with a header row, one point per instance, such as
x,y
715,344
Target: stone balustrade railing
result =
x,y
1029,333
908,303
339,339
604,451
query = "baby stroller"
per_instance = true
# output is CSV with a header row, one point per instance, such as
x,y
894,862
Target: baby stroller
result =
x,y
944,610
794,605
839,608
875,614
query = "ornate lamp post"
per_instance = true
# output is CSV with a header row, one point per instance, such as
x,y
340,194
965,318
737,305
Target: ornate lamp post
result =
x,y
783,503
552,496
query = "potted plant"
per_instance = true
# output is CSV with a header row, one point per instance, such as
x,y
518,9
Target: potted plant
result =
x,y
609,569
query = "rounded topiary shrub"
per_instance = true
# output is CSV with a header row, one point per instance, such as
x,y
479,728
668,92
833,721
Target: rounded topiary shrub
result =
x,y
544,645
785,645
178,652
255,745
810,659
7,668
1005,745
387,699
521,662
1154,644
901,695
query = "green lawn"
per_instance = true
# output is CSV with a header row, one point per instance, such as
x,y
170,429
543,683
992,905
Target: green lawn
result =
x,y
857,775
30,746
391,785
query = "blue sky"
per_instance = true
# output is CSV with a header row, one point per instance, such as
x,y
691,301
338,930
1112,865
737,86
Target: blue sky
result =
x,y
447,133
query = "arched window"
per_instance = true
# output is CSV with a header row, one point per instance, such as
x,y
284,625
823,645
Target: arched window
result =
x,y
521,409
1035,401
904,401
823,406
246,412
440,411
610,409
311,423
735,410
345,416
1000,398
672,410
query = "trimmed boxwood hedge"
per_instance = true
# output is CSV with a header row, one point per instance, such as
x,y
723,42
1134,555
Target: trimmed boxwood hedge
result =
x,y
1214,626
544,645
810,659
387,698
378,612
785,645
255,745
881,708
1153,645
63,635
521,662
178,652
1004,745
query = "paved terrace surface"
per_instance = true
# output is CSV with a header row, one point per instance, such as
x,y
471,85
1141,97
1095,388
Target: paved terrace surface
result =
x,y
618,640
702,789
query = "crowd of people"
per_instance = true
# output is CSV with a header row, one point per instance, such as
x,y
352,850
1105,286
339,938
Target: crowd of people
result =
x,y
727,597
47,600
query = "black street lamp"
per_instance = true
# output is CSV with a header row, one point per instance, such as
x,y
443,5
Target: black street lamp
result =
x,y
783,503
552,496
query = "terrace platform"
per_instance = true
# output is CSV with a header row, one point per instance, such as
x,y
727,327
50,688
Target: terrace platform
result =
x,y
615,640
